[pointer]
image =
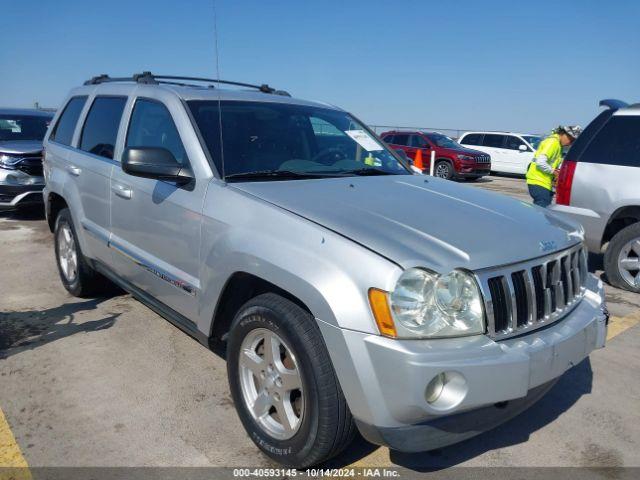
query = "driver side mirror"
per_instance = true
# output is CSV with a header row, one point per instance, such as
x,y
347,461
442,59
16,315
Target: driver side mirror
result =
x,y
154,162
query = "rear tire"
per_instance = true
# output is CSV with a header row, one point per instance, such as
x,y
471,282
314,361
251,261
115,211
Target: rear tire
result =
x,y
76,273
319,423
443,169
622,259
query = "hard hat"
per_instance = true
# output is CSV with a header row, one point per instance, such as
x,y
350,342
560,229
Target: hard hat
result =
x,y
572,130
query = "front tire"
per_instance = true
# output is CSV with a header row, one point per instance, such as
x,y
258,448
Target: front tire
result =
x,y
283,384
622,259
77,275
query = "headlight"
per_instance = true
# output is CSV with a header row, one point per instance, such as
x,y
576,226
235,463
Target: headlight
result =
x,y
425,304
8,161
466,157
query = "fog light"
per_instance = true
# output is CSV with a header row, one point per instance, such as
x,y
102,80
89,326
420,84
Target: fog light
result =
x,y
434,389
446,391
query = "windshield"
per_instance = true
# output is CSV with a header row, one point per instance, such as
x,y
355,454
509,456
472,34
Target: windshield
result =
x,y
23,127
260,138
533,140
443,141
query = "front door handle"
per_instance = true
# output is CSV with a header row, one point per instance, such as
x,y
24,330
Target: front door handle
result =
x,y
121,190
73,170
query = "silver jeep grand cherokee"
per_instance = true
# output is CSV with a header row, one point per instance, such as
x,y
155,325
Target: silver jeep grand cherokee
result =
x,y
347,293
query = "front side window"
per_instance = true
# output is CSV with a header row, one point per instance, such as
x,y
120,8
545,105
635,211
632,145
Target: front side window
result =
x,y
513,143
418,142
472,139
23,127
492,140
63,130
281,140
151,125
443,141
101,126
617,143
534,140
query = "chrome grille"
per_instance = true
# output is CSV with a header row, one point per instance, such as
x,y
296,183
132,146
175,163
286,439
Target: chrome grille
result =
x,y
483,159
525,296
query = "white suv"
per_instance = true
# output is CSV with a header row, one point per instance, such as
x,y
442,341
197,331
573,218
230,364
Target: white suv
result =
x,y
510,152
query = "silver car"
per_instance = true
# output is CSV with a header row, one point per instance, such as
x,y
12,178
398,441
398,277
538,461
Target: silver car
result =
x,y
347,292
21,134
598,187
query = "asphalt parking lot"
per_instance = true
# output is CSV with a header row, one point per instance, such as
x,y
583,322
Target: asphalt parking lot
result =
x,y
107,382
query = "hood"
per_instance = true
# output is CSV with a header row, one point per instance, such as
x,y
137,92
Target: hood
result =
x,y
463,151
415,220
14,147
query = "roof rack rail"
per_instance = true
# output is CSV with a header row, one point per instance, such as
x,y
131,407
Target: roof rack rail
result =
x,y
151,79
613,104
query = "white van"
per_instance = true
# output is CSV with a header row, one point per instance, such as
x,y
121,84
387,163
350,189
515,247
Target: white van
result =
x,y
510,152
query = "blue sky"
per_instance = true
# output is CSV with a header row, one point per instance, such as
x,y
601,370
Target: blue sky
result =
x,y
449,64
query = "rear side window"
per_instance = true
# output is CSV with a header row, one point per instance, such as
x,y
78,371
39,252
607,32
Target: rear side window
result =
x,y
492,140
472,139
617,143
101,126
401,139
63,130
151,125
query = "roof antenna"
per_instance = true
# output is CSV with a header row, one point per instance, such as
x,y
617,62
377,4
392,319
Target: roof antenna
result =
x,y
215,35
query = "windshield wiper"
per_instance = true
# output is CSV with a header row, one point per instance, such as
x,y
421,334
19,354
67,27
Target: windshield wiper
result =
x,y
279,174
366,171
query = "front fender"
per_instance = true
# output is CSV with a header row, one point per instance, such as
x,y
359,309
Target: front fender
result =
x,y
329,273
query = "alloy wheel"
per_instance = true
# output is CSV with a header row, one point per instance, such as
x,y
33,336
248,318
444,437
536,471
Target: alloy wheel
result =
x,y
629,262
271,383
442,170
67,253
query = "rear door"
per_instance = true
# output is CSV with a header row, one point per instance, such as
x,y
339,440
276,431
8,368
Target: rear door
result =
x,y
493,144
400,141
155,223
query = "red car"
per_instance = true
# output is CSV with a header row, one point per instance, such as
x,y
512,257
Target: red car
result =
x,y
452,159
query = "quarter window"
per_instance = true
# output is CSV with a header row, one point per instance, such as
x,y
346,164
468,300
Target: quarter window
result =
x,y
472,139
63,130
151,125
101,126
617,143
492,140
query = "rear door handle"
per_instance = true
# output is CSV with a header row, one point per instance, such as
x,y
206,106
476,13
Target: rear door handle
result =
x,y
121,190
73,170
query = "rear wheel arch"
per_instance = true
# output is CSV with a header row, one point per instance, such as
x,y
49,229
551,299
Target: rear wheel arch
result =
x,y
621,218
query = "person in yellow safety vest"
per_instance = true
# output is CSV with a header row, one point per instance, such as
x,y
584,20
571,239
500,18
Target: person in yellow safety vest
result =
x,y
545,166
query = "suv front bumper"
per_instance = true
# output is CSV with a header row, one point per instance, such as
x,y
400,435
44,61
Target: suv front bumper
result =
x,y
384,380
18,189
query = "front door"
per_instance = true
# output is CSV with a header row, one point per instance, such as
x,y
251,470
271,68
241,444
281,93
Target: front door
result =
x,y
156,224
519,155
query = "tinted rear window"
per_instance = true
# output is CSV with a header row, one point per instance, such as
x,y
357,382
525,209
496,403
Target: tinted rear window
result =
x,y
587,135
101,126
472,139
495,141
617,143
63,130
